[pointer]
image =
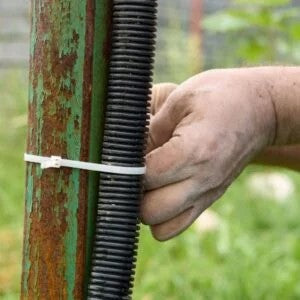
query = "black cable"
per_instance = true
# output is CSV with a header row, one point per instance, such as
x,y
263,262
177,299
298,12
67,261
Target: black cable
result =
x,y
117,223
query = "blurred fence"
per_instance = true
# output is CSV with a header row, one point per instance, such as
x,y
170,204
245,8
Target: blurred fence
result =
x,y
14,33
183,48
211,43
177,18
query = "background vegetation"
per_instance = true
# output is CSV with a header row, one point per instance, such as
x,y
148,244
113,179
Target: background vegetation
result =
x,y
251,249
256,32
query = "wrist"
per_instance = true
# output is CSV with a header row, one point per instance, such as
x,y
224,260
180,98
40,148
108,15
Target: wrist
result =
x,y
266,114
283,86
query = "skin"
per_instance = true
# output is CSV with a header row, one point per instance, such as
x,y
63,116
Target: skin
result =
x,y
205,131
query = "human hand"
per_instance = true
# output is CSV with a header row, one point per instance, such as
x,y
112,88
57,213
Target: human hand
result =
x,y
202,134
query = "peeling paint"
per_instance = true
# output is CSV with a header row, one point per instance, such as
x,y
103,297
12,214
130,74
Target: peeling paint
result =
x,y
66,95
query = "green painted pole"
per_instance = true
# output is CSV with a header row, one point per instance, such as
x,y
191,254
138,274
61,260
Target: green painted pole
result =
x,y
68,76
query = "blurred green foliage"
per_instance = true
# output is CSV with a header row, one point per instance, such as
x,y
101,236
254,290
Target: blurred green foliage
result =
x,y
254,254
257,32
13,119
178,54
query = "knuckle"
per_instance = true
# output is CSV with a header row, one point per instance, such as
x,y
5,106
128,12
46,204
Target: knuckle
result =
x,y
145,217
179,103
155,233
149,213
215,179
151,141
145,214
204,153
218,180
212,147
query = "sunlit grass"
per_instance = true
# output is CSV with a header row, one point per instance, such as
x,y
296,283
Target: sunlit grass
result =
x,y
10,262
13,95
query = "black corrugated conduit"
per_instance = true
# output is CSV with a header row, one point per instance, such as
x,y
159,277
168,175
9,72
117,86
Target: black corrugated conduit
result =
x,y
130,77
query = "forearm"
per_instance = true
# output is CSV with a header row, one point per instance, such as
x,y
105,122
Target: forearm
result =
x,y
283,87
284,156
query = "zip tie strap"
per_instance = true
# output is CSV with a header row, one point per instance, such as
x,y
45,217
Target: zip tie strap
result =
x,y
58,162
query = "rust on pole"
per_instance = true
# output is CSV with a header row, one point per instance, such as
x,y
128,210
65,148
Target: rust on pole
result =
x,y
196,15
68,73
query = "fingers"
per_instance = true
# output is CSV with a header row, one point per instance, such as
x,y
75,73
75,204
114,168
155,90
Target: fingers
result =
x,y
167,202
176,225
160,92
177,159
167,164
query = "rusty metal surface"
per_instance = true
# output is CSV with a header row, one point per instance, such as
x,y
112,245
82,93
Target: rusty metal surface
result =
x,y
67,86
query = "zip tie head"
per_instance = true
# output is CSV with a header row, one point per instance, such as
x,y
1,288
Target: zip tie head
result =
x,y
52,162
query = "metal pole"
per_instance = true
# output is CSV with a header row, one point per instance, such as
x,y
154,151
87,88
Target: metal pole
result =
x,y
196,35
196,15
69,54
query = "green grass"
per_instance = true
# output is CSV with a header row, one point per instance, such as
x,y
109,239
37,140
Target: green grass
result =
x,y
13,94
255,254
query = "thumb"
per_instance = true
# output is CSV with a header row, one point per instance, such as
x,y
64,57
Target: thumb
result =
x,y
165,120
160,92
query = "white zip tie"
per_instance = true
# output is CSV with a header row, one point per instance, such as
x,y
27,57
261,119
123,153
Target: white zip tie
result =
x,y
57,162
